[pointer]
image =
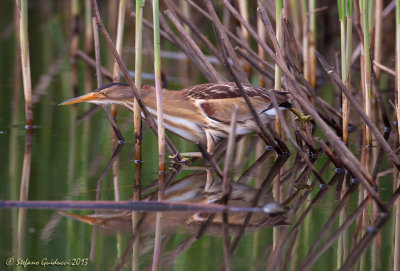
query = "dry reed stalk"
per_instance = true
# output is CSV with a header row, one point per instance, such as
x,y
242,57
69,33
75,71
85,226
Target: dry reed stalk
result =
x,y
396,254
345,155
90,61
226,187
272,55
277,85
137,120
116,78
225,44
171,147
118,45
223,41
311,259
267,182
244,12
200,59
120,37
99,77
260,52
396,264
228,164
367,103
377,152
345,18
22,6
312,8
193,28
161,131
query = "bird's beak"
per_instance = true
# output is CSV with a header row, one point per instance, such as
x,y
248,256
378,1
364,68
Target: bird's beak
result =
x,y
83,218
90,97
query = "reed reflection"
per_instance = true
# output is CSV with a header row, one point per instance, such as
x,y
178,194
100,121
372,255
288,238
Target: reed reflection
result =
x,y
23,194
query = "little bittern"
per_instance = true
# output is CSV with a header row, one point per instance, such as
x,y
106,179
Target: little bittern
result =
x,y
201,113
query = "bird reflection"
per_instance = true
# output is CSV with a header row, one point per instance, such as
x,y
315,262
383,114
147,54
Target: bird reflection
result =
x,y
191,189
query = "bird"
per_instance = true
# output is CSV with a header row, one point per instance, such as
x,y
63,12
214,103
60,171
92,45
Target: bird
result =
x,y
200,113
191,189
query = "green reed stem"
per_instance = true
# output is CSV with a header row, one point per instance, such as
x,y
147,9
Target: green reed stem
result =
x,y
345,8
364,9
278,72
138,79
25,60
137,128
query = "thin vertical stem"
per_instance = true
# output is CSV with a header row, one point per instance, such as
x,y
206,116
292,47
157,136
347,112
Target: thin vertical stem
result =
x,y
120,37
23,195
260,51
226,184
160,127
116,78
277,86
25,60
396,265
366,83
244,11
157,76
278,72
398,60
349,37
137,120
367,67
345,16
396,257
138,83
313,35
345,103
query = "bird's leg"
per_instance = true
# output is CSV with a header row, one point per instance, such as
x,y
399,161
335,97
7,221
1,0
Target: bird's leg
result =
x,y
210,148
299,115
210,143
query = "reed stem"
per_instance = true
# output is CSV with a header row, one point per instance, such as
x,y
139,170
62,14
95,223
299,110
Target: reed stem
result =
x,y
137,120
138,83
116,78
277,86
312,4
345,17
25,60
396,265
160,128
364,9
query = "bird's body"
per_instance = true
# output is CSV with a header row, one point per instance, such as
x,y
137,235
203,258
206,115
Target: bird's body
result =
x,y
201,113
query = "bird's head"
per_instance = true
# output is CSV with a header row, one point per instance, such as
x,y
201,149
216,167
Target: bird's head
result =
x,y
114,93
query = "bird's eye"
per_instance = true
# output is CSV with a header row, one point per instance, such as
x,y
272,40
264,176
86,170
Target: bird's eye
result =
x,y
104,93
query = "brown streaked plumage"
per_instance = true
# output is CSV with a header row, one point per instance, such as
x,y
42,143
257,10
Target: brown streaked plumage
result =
x,y
200,113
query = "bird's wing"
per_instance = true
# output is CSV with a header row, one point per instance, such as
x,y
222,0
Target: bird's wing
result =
x,y
221,109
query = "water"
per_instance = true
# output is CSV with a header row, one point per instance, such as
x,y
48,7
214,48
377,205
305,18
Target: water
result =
x,y
68,156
